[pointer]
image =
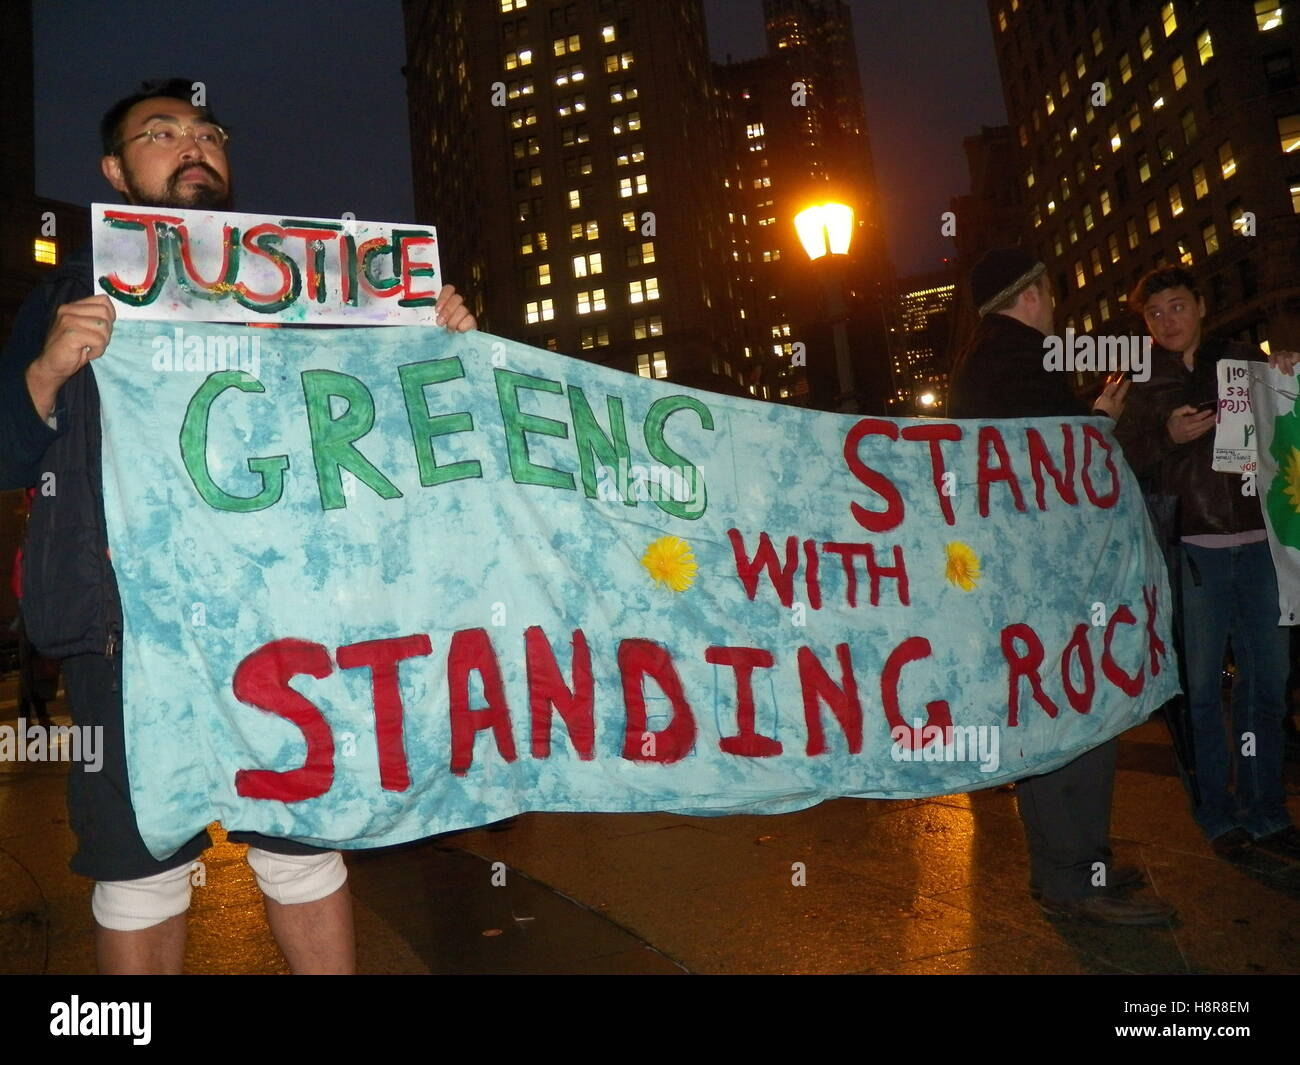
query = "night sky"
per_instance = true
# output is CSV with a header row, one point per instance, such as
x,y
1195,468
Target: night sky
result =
x,y
316,103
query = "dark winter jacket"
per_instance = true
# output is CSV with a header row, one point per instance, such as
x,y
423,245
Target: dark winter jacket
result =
x,y
70,598
1208,502
1000,374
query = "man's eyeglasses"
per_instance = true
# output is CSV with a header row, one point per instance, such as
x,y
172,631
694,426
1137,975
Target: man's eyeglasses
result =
x,y
168,133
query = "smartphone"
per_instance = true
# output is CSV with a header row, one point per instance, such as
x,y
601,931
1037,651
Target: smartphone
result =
x,y
1208,405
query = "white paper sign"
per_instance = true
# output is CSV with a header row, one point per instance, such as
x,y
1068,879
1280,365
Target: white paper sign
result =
x,y
217,266
1234,434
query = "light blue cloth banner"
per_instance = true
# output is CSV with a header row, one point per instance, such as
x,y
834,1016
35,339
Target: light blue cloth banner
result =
x,y
384,583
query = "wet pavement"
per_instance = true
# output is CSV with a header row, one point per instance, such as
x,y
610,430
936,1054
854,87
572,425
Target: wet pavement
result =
x,y
850,886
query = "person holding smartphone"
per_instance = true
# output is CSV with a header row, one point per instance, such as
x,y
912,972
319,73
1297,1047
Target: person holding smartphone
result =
x,y
1229,587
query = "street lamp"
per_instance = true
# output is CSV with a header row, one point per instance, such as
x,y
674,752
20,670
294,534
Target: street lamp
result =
x,y
825,231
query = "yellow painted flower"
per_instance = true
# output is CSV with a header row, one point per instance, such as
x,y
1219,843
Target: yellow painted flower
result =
x,y
668,560
1291,475
963,567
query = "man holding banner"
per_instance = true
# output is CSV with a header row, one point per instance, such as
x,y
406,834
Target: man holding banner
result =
x,y
1065,813
159,151
1229,585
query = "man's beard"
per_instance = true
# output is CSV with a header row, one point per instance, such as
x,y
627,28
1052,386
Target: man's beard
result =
x,y
211,197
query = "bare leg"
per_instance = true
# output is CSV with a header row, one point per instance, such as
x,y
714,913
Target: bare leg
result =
x,y
316,937
158,950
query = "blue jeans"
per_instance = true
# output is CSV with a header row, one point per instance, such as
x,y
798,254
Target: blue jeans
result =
x,y
1231,592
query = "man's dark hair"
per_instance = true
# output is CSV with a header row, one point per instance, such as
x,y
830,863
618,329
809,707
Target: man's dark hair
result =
x,y
1157,281
110,126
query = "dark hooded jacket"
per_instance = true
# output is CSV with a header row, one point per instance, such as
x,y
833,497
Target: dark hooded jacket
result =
x,y
70,598
1000,374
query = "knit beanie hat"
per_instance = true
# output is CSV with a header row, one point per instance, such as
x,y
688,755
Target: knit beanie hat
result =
x,y
1002,273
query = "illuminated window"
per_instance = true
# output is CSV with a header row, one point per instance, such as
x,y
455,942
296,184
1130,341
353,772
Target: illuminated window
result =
x,y
620,61
573,135
567,45
1204,47
1105,203
575,199
523,117
1087,321
634,154
1268,15
1134,117
607,34
513,5
1002,19
1237,217
629,221
583,265
1115,142
647,327
1029,178
568,76
628,123
1096,42
1200,184
1125,69
589,230
1064,82
1153,218
571,105
1153,89
1288,131
517,89
1131,231
543,274
591,302
1080,65
45,251
641,254
1184,252
1210,238
595,337
578,166
1112,246
641,291
1144,41
531,242
1227,162
1087,217
1175,200
1080,278
654,364
1168,19
521,58
1074,232
1179,69
540,311
1144,168
620,91
1049,103
527,147
632,186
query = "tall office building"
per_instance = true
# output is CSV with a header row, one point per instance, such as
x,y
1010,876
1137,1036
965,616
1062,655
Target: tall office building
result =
x,y
573,157
1150,133
922,317
799,124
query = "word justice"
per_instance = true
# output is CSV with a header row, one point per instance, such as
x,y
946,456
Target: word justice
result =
x,y
319,257
262,680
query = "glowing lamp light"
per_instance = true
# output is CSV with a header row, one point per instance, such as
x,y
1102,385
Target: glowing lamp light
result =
x,y
927,399
827,227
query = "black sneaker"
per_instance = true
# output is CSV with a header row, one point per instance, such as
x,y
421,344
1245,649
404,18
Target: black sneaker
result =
x,y
1283,844
1233,846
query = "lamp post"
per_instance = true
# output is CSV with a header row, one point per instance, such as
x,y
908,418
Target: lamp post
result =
x,y
825,231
